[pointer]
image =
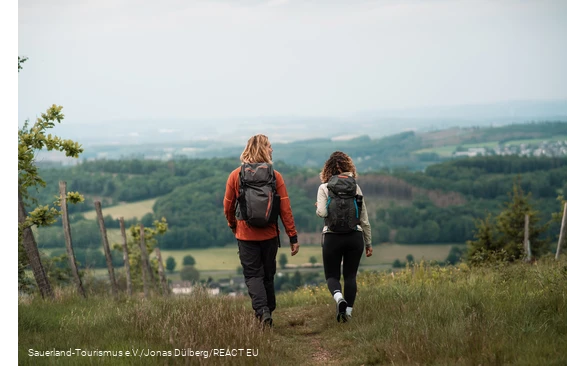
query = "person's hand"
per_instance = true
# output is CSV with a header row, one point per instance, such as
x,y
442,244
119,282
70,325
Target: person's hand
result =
x,y
369,251
234,229
315,204
294,248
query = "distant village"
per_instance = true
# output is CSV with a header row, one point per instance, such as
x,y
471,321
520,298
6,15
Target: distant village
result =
x,y
544,148
236,286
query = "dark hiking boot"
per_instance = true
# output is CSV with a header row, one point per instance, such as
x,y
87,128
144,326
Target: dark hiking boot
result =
x,y
266,319
341,307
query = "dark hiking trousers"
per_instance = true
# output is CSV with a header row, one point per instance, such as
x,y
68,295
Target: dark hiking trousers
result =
x,y
349,248
258,259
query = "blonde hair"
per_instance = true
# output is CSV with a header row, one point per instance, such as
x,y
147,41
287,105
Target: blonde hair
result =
x,y
257,150
339,162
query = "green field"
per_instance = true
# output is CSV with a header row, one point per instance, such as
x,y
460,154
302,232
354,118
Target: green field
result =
x,y
227,258
224,262
447,151
126,210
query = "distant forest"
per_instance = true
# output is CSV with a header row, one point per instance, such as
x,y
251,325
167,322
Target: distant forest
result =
x,y
412,198
439,205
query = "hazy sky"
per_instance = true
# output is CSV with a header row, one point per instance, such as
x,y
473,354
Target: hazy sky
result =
x,y
111,59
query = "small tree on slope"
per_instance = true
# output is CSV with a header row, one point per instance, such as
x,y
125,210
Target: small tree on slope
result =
x,y
30,140
504,238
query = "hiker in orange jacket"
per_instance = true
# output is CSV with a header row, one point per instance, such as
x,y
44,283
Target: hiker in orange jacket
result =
x,y
258,246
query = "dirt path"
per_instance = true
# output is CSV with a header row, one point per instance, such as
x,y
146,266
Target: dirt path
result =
x,y
322,355
306,327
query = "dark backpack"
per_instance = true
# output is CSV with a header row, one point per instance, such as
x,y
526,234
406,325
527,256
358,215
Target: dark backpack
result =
x,y
258,203
344,205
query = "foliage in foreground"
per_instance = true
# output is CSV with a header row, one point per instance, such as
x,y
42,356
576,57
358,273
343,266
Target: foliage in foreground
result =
x,y
511,314
30,141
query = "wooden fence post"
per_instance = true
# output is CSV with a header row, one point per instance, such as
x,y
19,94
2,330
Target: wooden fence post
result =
x,y
527,238
126,257
32,252
144,256
100,216
562,234
67,232
161,273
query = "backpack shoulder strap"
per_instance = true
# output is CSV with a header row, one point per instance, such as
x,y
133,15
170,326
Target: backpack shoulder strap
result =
x,y
241,176
273,175
330,187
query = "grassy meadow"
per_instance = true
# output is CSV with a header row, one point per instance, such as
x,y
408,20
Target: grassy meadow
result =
x,y
223,262
510,315
226,258
127,210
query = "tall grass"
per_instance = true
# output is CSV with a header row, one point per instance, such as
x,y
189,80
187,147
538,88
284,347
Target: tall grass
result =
x,y
425,315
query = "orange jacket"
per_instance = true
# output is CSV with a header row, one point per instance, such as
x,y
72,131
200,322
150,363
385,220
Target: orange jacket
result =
x,y
245,232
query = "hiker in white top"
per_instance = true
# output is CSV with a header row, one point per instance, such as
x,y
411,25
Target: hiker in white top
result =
x,y
347,230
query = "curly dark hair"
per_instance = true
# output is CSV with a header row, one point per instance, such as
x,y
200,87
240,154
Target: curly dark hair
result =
x,y
339,162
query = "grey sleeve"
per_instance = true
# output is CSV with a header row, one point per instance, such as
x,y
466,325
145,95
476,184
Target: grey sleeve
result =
x,y
364,222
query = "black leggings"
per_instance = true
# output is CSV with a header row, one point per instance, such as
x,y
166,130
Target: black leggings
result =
x,y
346,247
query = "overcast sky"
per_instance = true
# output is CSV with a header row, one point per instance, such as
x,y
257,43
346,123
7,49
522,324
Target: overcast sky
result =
x,y
111,59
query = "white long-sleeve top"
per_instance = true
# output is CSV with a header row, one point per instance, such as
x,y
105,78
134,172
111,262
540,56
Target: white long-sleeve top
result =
x,y
364,225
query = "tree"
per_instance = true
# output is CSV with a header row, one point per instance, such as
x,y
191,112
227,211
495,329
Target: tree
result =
x,y
409,258
478,250
30,140
313,260
503,240
158,229
510,223
454,255
282,260
297,279
189,273
188,260
171,264
381,231
58,269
